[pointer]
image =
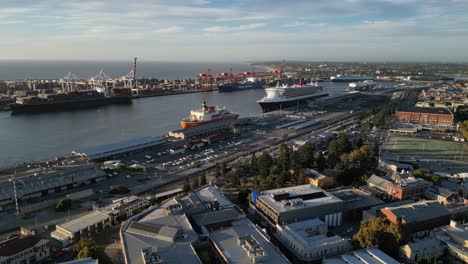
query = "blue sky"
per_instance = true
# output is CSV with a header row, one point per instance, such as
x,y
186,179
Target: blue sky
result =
x,y
237,30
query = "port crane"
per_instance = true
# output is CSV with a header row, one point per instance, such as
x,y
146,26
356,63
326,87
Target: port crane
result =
x,y
130,79
70,82
101,82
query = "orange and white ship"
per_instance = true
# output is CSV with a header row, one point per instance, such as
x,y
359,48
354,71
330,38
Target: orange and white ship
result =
x,y
206,115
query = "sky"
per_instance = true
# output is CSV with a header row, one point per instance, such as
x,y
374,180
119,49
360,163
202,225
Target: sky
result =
x,y
235,30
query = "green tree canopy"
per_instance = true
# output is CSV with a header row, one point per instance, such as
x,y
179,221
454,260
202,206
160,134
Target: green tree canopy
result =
x,y
381,233
63,205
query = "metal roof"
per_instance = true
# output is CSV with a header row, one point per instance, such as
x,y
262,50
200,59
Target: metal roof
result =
x,y
362,256
420,211
120,146
84,221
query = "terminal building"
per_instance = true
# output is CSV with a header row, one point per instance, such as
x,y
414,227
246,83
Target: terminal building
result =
x,y
110,150
440,116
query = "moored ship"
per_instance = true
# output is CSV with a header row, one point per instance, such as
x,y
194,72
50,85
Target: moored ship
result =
x,y
366,85
64,101
206,115
350,78
284,96
248,83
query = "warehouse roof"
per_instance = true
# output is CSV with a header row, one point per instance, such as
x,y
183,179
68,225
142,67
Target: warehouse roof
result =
x,y
35,184
378,182
420,211
218,216
84,221
115,148
18,244
355,199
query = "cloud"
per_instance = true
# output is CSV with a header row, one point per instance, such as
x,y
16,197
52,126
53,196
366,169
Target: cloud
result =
x,y
172,29
220,29
295,24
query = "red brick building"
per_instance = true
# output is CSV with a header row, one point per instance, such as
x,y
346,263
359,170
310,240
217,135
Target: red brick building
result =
x,y
419,218
426,115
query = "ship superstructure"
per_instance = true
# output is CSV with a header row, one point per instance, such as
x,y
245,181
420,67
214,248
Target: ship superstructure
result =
x,y
283,96
207,114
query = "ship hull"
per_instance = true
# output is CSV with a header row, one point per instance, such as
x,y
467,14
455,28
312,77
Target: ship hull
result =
x,y
187,124
269,106
232,87
68,105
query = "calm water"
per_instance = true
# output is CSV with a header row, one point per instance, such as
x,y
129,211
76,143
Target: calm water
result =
x,y
20,70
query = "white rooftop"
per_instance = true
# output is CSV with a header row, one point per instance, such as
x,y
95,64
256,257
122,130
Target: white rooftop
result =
x,y
84,221
179,251
302,196
299,231
362,256
226,240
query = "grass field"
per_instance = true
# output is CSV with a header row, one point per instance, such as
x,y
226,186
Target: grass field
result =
x,y
423,148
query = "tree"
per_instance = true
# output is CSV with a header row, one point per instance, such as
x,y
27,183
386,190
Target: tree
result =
x,y
253,165
186,185
63,205
382,233
243,195
361,139
82,244
119,189
306,155
419,173
319,161
234,127
264,162
202,180
235,180
218,170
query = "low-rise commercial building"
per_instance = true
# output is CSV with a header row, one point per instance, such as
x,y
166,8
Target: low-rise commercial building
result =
x,y
374,211
125,207
308,240
24,250
318,179
419,218
426,249
363,256
440,194
287,205
354,202
455,238
242,242
83,226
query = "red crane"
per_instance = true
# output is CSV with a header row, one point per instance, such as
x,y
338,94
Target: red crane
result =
x,y
206,80
278,73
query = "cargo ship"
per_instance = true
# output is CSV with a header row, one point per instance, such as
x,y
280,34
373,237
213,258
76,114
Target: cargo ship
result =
x,y
350,78
249,83
206,115
65,101
366,85
284,96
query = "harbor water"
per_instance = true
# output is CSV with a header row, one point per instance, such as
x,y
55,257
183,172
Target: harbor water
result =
x,y
29,137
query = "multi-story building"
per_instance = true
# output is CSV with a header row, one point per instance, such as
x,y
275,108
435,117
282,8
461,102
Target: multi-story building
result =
x,y
124,207
422,249
243,242
24,250
308,240
292,204
161,234
440,116
455,238
419,218
402,189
